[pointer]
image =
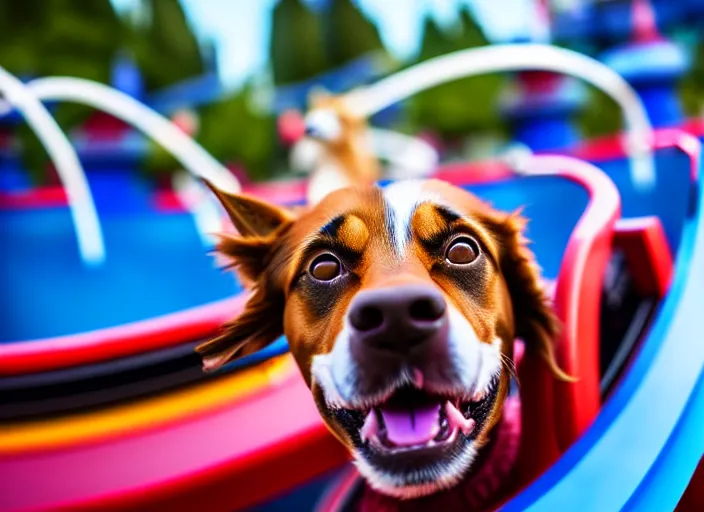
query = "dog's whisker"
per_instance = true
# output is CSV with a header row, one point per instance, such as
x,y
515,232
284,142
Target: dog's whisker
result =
x,y
510,366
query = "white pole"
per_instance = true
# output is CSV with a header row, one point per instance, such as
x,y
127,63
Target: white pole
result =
x,y
102,97
410,157
205,211
368,100
85,217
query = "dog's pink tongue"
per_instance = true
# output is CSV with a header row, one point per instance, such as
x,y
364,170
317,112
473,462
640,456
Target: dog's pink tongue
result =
x,y
408,427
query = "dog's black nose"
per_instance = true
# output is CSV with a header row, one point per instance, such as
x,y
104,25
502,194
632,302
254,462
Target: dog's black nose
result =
x,y
310,131
397,319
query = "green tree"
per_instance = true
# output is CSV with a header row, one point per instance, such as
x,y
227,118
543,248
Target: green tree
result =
x,y
82,39
349,33
57,37
600,115
233,130
692,86
165,48
462,106
297,51
18,37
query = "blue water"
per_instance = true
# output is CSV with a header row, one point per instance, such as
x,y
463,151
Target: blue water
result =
x,y
156,264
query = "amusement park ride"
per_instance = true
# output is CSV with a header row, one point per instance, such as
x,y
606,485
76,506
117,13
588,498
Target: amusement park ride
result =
x,y
108,287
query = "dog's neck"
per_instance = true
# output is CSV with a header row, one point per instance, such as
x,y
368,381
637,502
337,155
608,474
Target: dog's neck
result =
x,y
343,164
355,155
482,489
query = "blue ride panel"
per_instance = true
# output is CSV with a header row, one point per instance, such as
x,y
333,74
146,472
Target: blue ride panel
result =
x,y
12,176
653,68
156,264
543,120
552,204
669,199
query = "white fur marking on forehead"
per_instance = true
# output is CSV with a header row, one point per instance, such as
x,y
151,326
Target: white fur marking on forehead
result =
x,y
402,198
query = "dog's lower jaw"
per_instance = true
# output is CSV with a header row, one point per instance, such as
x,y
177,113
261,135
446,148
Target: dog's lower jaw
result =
x,y
395,487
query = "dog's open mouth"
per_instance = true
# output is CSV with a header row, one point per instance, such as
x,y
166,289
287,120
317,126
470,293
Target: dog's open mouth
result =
x,y
416,436
413,420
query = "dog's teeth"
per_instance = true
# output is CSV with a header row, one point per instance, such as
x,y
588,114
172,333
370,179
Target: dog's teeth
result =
x,y
479,396
417,377
444,430
457,419
370,429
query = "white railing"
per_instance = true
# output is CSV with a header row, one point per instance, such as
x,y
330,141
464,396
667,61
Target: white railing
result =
x,y
409,157
191,155
367,100
18,96
188,152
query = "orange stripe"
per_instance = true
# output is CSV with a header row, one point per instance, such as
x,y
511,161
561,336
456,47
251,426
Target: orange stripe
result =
x,y
144,414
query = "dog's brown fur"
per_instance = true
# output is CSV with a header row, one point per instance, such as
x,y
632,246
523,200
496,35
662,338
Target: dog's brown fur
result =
x,y
270,251
345,159
349,150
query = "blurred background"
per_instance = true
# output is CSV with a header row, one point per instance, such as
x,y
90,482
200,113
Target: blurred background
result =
x,y
102,398
228,68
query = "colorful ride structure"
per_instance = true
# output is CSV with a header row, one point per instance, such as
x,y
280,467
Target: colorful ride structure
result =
x,y
103,403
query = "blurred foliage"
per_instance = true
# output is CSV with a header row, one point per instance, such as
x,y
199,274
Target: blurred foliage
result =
x,y
164,47
692,86
82,38
600,115
306,43
235,131
349,34
57,37
232,131
463,106
297,50
52,37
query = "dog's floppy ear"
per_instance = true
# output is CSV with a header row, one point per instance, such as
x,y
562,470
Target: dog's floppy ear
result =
x,y
251,216
534,318
259,224
260,324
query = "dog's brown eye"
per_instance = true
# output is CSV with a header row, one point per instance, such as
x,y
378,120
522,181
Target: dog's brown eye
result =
x,y
462,251
325,267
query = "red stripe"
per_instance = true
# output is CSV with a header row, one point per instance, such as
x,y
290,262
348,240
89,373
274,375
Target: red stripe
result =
x,y
121,341
229,459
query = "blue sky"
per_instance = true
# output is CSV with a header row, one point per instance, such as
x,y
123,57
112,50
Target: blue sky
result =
x,y
241,29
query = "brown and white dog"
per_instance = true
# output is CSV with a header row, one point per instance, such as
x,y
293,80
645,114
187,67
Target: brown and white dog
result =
x,y
338,147
400,306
